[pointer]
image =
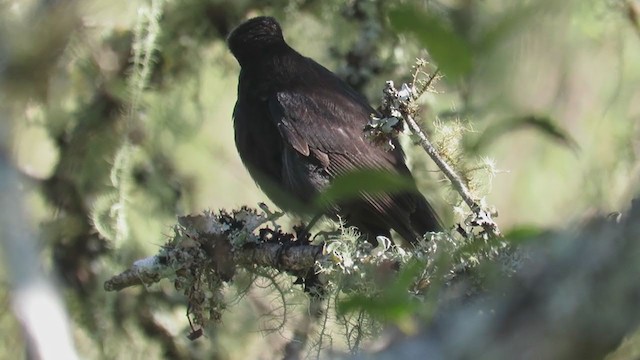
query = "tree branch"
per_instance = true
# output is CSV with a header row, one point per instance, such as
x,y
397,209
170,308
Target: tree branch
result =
x,y
400,105
205,241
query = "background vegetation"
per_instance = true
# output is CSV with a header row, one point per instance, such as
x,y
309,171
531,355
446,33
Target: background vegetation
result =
x,y
117,115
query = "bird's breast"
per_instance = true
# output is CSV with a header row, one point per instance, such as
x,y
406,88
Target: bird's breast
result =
x,y
257,141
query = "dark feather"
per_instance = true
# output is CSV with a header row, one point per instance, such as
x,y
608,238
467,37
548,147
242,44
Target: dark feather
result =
x,y
298,126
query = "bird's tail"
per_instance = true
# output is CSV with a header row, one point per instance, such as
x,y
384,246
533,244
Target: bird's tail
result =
x,y
424,219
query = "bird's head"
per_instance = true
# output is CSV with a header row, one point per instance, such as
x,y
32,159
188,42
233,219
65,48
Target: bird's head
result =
x,y
253,37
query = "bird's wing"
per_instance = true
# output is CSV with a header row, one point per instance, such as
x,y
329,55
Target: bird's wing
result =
x,y
329,125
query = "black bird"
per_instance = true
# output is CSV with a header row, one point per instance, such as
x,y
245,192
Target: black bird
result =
x,y
298,127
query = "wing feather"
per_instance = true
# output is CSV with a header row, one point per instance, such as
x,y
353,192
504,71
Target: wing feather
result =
x,y
333,124
328,127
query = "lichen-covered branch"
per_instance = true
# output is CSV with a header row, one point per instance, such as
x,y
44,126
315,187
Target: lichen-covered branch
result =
x,y
398,106
285,257
143,272
446,169
288,257
207,250
220,244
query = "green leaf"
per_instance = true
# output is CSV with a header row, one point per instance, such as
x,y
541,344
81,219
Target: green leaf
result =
x,y
504,25
450,51
393,303
523,233
540,123
356,183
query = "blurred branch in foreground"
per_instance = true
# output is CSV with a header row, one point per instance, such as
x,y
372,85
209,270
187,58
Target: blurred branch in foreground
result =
x,y
35,300
575,298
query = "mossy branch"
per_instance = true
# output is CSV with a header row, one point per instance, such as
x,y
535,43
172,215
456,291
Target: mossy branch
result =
x,y
285,256
208,250
398,107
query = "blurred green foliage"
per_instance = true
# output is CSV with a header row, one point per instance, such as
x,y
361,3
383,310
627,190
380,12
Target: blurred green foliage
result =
x,y
372,182
514,71
448,49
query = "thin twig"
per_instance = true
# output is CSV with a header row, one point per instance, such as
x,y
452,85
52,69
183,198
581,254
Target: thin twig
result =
x,y
401,105
481,216
446,169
